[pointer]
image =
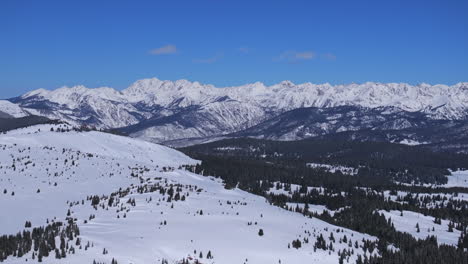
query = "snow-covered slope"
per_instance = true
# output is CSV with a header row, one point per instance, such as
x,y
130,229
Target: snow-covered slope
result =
x,y
11,110
131,203
231,108
457,179
407,221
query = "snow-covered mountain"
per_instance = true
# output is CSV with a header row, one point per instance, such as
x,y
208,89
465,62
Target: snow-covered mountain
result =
x,y
159,110
108,198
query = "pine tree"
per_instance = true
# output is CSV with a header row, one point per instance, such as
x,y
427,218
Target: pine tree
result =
x,y
296,244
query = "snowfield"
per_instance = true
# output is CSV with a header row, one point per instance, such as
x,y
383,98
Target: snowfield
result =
x,y
407,223
134,203
12,109
457,179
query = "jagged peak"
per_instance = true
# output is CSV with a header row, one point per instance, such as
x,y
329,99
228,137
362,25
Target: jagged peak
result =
x,y
153,85
39,91
286,83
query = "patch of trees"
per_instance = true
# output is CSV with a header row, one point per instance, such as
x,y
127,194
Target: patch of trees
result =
x,y
41,240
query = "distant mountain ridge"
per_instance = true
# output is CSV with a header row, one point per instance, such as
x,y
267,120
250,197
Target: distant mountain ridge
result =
x,y
161,111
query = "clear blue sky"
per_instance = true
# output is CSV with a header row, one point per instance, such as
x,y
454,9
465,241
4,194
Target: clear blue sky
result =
x,y
47,44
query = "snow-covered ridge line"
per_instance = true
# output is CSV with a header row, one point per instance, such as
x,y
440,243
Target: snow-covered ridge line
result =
x,y
162,111
284,95
98,143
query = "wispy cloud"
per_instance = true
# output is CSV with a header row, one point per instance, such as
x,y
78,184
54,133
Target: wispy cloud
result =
x,y
296,56
244,50
329,56
209,60
168,49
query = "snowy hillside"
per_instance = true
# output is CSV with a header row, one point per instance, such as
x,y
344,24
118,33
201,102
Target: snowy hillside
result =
x,y
421,226
127,200
11,110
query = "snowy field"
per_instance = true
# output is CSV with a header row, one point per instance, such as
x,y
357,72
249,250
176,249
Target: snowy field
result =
x,y
11,109
457,179
48,176
427,227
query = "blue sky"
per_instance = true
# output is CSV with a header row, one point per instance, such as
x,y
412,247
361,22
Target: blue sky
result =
x,y
48,44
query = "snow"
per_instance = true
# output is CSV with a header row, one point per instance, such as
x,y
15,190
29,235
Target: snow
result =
x,y
102,144
457,179
111,155
411,142
79,104
12,109
407,223
94,163
72,96
334,168
313,208
294,188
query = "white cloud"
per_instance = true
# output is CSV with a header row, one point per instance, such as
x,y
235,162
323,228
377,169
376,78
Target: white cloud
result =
x,y
168,49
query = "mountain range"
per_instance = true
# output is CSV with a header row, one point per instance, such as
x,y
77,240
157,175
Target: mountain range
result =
x,y
173,111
